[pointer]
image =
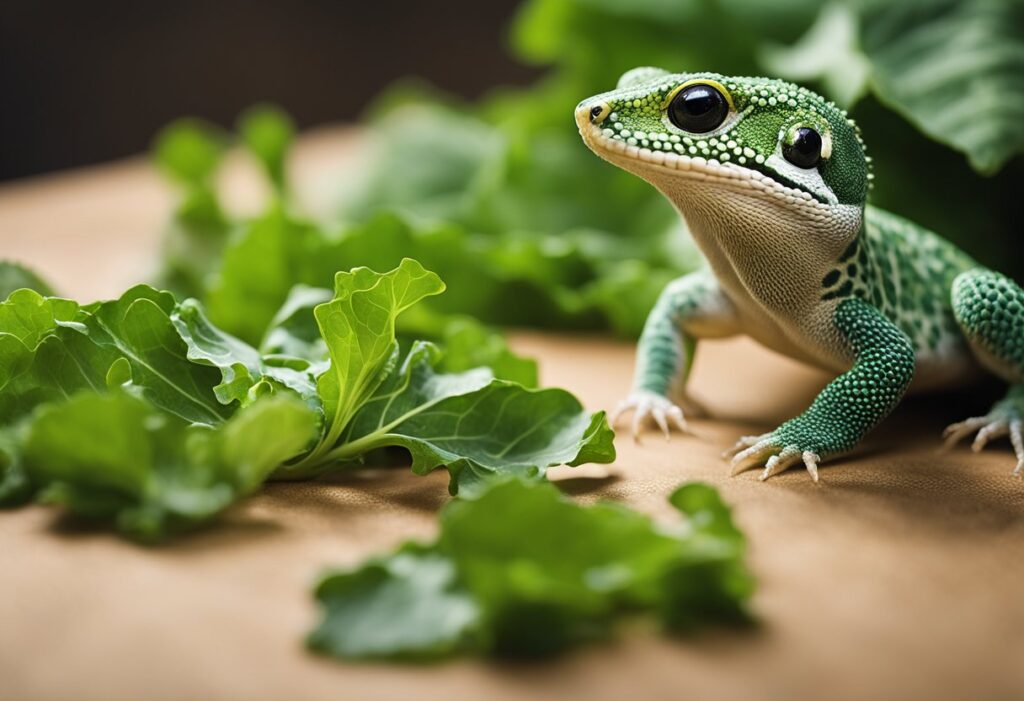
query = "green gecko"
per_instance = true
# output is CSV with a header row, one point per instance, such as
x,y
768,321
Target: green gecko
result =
x,y
772,181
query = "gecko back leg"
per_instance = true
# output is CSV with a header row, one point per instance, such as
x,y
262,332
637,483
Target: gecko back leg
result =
x,y
990,310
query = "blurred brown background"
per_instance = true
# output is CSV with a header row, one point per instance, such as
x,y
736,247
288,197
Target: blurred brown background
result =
x,y
83,82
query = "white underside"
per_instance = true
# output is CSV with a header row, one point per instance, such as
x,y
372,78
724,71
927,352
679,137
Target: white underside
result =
x,y
768,250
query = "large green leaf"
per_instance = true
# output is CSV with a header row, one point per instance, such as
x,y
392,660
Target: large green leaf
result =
x,y
138,327
473,425
465,421
504,429
113,457
955,69
358,326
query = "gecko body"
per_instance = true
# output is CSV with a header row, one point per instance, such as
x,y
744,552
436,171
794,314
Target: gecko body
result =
x,y
773,181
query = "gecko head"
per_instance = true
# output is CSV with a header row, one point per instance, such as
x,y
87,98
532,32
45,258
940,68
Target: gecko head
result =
x,y
762,138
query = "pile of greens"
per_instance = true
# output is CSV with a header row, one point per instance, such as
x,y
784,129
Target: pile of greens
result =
x,y
930,82
521,571
242,269
530,229
143,412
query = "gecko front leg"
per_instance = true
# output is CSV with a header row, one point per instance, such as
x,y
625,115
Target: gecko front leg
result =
x,y
690,307
848,407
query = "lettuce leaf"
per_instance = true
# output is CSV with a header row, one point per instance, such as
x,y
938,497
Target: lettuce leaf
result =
x,y
114,457
138,328
469,422
500,580
475,426
148,376
358,326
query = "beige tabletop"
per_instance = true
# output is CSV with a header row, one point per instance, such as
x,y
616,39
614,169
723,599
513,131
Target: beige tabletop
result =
x,y
899,576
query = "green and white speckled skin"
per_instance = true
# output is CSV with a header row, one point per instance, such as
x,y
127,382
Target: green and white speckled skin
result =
x,y
800,262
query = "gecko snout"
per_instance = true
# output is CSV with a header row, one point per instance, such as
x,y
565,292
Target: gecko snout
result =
x,y
593,112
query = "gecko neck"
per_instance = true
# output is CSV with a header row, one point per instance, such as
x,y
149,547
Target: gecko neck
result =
x,y
763,249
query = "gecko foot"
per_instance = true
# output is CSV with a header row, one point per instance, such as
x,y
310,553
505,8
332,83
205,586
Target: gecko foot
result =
x,y
995,424
648,405
751,451
1005,418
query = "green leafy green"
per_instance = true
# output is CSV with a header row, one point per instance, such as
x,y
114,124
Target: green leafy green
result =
x,y
265,258
44,354
707,587
16,488
189,150
245,372
358,326
146,360
138,328
500,579
829,52
267,131
14,276
293,331
403,606
955,69
468,344
437,164
472,424
114,457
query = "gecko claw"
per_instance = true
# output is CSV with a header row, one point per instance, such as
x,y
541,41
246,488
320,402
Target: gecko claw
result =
x,y
780,462
649,405
751,451
658,414
743,443
676,414
811,461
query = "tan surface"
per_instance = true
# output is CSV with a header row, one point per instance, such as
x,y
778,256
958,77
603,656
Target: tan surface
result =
x,y
900,576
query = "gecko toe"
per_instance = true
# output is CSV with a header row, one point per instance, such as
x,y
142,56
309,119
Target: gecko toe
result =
x,y
752,456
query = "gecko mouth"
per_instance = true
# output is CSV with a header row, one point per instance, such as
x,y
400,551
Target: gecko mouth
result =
x,y
677,165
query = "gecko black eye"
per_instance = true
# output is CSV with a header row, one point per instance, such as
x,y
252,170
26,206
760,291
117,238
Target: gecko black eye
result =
x,y
805,151
698,108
